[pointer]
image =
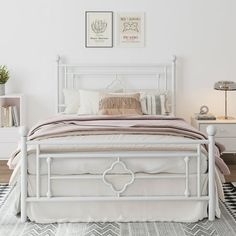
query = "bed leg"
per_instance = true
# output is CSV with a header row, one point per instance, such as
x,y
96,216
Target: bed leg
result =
x,y
23,133
211,131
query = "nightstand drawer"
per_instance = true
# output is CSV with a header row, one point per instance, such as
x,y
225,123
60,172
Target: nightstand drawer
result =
x,y
229,143
7,149
223,130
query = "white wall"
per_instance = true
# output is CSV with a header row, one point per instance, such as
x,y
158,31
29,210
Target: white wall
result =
x,y
201,33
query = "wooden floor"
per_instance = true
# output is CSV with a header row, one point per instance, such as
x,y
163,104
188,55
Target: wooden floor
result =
x,y
230,160
5,173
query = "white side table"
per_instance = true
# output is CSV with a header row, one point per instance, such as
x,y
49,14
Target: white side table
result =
x,y
226,132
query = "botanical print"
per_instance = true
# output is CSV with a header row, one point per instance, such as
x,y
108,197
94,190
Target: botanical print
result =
x,y
131,29
99,26
99,29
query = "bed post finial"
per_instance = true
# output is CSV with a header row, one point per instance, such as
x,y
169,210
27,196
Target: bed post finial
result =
x,y
23,131
211,130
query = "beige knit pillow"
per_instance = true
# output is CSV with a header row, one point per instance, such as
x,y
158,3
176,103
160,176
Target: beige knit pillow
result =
x,y
120,104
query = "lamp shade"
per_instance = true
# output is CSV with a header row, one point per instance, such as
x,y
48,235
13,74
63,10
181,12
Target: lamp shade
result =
x,y
225,85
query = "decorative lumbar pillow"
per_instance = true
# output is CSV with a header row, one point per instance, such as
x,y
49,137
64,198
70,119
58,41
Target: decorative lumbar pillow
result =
x,y
71,98
120,104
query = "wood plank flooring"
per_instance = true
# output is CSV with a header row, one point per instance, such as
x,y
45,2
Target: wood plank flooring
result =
x,y
230,160
5,173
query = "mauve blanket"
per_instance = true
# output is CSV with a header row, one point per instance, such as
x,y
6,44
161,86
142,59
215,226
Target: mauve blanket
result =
x,y
66,125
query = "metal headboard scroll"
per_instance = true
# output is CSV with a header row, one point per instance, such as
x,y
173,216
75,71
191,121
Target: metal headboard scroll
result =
x,y
68,76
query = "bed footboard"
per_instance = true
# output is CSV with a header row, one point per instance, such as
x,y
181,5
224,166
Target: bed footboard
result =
x,y
119,158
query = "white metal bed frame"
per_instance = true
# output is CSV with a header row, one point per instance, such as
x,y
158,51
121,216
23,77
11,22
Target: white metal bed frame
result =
x,y
119,157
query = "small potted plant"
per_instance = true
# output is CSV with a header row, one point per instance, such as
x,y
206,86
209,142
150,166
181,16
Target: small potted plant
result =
x,y
4,76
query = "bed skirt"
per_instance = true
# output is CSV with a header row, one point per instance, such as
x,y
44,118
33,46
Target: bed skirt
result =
x,y
118,211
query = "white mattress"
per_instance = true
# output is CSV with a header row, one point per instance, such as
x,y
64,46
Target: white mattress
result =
x,y
97,166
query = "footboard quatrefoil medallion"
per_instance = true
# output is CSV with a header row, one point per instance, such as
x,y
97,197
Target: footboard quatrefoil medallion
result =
x,y
128,171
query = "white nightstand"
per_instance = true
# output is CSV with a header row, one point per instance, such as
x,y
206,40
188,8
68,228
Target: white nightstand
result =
x,y
9,136
226,132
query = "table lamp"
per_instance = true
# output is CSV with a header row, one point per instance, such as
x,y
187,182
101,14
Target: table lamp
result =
x,y
225,86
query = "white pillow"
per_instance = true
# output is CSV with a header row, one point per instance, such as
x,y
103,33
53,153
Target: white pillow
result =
x,y
89,101
71,97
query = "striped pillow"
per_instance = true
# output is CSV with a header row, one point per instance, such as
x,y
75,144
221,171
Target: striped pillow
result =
x,y
154,104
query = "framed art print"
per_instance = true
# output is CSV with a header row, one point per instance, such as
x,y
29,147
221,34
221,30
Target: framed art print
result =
x,y
99,29
130,29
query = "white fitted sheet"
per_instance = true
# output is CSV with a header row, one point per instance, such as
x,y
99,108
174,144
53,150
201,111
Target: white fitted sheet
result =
x,y
97,166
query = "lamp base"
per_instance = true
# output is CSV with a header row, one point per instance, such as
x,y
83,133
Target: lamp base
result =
x,y
223,118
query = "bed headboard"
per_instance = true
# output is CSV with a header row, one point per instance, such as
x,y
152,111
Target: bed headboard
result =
x,y
130,76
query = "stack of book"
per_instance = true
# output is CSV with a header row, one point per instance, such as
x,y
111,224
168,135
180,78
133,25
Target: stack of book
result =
x,y
9,116
205,116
